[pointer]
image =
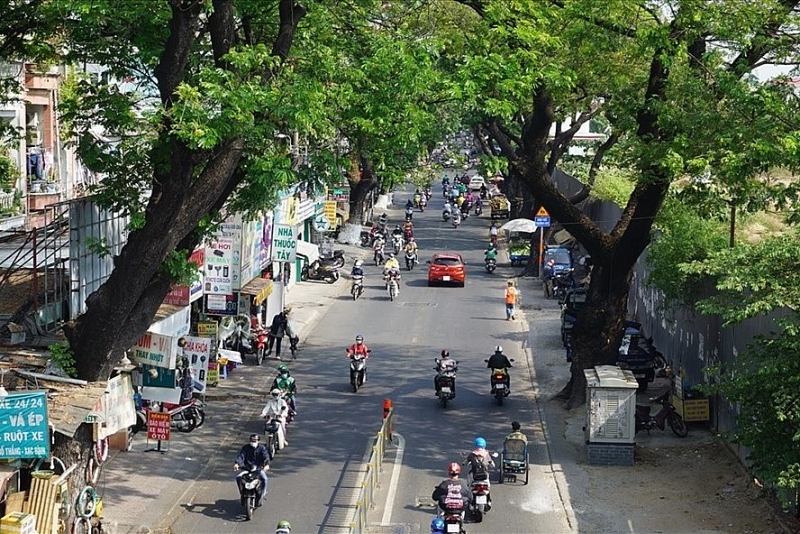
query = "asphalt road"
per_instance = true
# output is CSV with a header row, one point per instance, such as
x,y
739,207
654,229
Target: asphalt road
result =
x,y
314,480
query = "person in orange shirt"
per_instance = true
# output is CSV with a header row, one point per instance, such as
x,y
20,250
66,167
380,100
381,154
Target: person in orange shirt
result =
x,y
512,298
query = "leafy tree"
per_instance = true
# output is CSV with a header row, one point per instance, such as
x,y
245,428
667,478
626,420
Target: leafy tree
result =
x,y
677,89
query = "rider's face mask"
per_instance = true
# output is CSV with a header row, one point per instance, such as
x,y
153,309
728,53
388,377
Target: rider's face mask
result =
x,y
254,444
284,375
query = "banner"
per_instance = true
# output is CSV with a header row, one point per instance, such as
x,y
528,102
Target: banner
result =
x,y
198,350
116,407
219,267
330,212
158,425
23,426
284,243
157,350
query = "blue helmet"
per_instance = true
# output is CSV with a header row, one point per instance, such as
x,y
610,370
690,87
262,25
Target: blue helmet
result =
x,y
480,443
437,525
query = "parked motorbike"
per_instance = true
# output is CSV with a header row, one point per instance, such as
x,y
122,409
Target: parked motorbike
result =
x,y
358,286
250,491
337,260
358,371
411,259
666,415
261,341
501,383
491,265
562,282
184,417
447,382
316,271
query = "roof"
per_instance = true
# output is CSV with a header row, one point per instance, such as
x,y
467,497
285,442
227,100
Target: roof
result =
x,y
454,255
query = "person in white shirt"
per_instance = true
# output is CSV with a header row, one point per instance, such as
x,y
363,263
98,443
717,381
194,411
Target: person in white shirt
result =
x,y
278,408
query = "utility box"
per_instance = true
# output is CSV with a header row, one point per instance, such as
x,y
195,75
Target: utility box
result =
x,y
610,415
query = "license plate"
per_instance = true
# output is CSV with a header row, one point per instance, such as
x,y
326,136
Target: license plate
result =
x,y
445,390
639,375
453,528
446,278
480,499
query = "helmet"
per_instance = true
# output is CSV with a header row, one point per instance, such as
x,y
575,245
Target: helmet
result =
x,y
515,426
391,254
359,337
284,527
480,443
276,392
359,263
255,437
454,469
445,353
411,239
437,525
282,368
397,227
287,309
498,348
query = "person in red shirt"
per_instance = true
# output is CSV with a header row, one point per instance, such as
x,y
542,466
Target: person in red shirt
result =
x,y
359,348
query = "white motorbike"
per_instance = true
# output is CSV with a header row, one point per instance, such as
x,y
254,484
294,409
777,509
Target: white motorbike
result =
x,y
393,286
357,288
358,370
411,259
397,243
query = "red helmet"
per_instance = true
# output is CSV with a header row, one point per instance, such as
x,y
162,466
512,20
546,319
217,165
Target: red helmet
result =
x,y
454,469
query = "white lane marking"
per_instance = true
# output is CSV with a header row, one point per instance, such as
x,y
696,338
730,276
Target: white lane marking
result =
x,y
398,463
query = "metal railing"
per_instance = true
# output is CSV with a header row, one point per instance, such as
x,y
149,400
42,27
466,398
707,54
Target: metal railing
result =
x,y
370,479
6,200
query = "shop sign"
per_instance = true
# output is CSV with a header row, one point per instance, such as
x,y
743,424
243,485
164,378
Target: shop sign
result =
x,y
330,212
213,373
232,229
341,194
305,209
158,425
219,267
116,407
288,211
23,426
207,328
198,350
156,349
221,305
185,295
284,243
266,241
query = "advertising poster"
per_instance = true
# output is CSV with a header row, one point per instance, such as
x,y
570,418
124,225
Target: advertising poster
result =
x,y
218,269
23,426
116,407
266,241
198,350
155,349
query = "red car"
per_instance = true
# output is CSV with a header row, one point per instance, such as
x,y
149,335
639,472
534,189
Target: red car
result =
x,y
447,268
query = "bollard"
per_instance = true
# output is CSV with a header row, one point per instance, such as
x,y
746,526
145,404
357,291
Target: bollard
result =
x,y
387,407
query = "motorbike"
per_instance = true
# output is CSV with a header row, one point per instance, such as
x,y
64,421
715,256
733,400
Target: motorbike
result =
x,y
501,383
393,286
666,415
239,337
456,220
397,243
358,371
358,286
491,265
422,204
337,260
447,382
465,207
378,255
411,259
250,491
562,282
316,271
271,428
409,213
428,193
446,214
184,417
453,522
478,209
262,337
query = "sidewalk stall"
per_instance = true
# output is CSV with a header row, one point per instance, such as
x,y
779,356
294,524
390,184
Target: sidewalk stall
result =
x,y
610,415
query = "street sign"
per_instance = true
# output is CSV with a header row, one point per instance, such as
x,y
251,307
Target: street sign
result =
x,y
542,218
158,424
322,224
542,212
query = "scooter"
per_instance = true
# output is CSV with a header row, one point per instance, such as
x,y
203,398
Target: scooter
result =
x,y
501,383
315,271
411,259
272,427
184,417
358,370
446,214
456,220
379,255
446,382
428,193
262,338
666,415
393,285
409,213
491,265
358,286
250,491
423,202
337,260
478,208
453,522
397,243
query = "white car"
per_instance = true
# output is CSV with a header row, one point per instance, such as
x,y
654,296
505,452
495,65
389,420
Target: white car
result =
x,y
476,182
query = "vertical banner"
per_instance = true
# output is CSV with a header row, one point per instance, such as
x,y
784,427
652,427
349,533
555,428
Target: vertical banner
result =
x,y
198,350
219,267
116,406
158,425
284,243
23,426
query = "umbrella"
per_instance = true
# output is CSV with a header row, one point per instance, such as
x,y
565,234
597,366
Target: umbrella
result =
x,y
520,225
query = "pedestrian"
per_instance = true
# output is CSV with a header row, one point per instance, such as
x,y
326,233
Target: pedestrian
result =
x,y
512,298
276,332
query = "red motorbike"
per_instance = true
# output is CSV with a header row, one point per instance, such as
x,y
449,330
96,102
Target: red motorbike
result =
x,y
261,341
667,415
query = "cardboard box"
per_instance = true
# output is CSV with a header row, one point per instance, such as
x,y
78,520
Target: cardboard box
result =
x,y
18,523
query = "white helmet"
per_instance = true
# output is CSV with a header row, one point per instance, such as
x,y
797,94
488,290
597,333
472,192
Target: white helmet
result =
x,y
498,348
359,263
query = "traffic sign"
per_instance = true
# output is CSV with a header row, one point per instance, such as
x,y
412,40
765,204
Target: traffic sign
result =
x,y
542,218
542,212
321,223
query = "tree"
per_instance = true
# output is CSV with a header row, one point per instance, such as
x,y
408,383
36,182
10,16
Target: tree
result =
x,y
676,86
210,77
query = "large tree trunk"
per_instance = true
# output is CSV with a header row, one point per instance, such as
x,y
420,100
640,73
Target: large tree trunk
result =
x,y
187,186
361,183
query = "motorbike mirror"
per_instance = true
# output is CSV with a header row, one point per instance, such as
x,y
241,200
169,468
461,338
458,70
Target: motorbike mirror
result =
x,y
427,261
487,361
495,455
511,359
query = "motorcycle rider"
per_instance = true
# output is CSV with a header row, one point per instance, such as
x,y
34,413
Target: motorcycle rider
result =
x,y
409,210
408,230
480,461
284,527
378,246
358,269
445,365
498,360
411,248
288,386
447,211
491,252
456,218
358,348
276,407
493,233
452,494
253,454
390,264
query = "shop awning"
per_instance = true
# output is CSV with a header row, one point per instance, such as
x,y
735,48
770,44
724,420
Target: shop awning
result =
x,y
259,288
308,250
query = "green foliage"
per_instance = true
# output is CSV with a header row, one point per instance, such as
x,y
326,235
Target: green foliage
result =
x,y
98,246
181,271
615,185
765,383
65,356
9,173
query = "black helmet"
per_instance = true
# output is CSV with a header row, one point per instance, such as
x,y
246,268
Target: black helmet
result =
x,y
255,437
445,353
515,426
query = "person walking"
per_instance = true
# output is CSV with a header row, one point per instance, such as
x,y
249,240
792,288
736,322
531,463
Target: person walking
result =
x,y
276,332
512,299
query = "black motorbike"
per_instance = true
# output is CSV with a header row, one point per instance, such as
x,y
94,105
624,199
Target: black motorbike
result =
x,y
337,259
491,265
501,383
318,271
446,383
184,417
562,282
666,415
250,491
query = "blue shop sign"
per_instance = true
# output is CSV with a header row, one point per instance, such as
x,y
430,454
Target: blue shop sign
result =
x,y
24,431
